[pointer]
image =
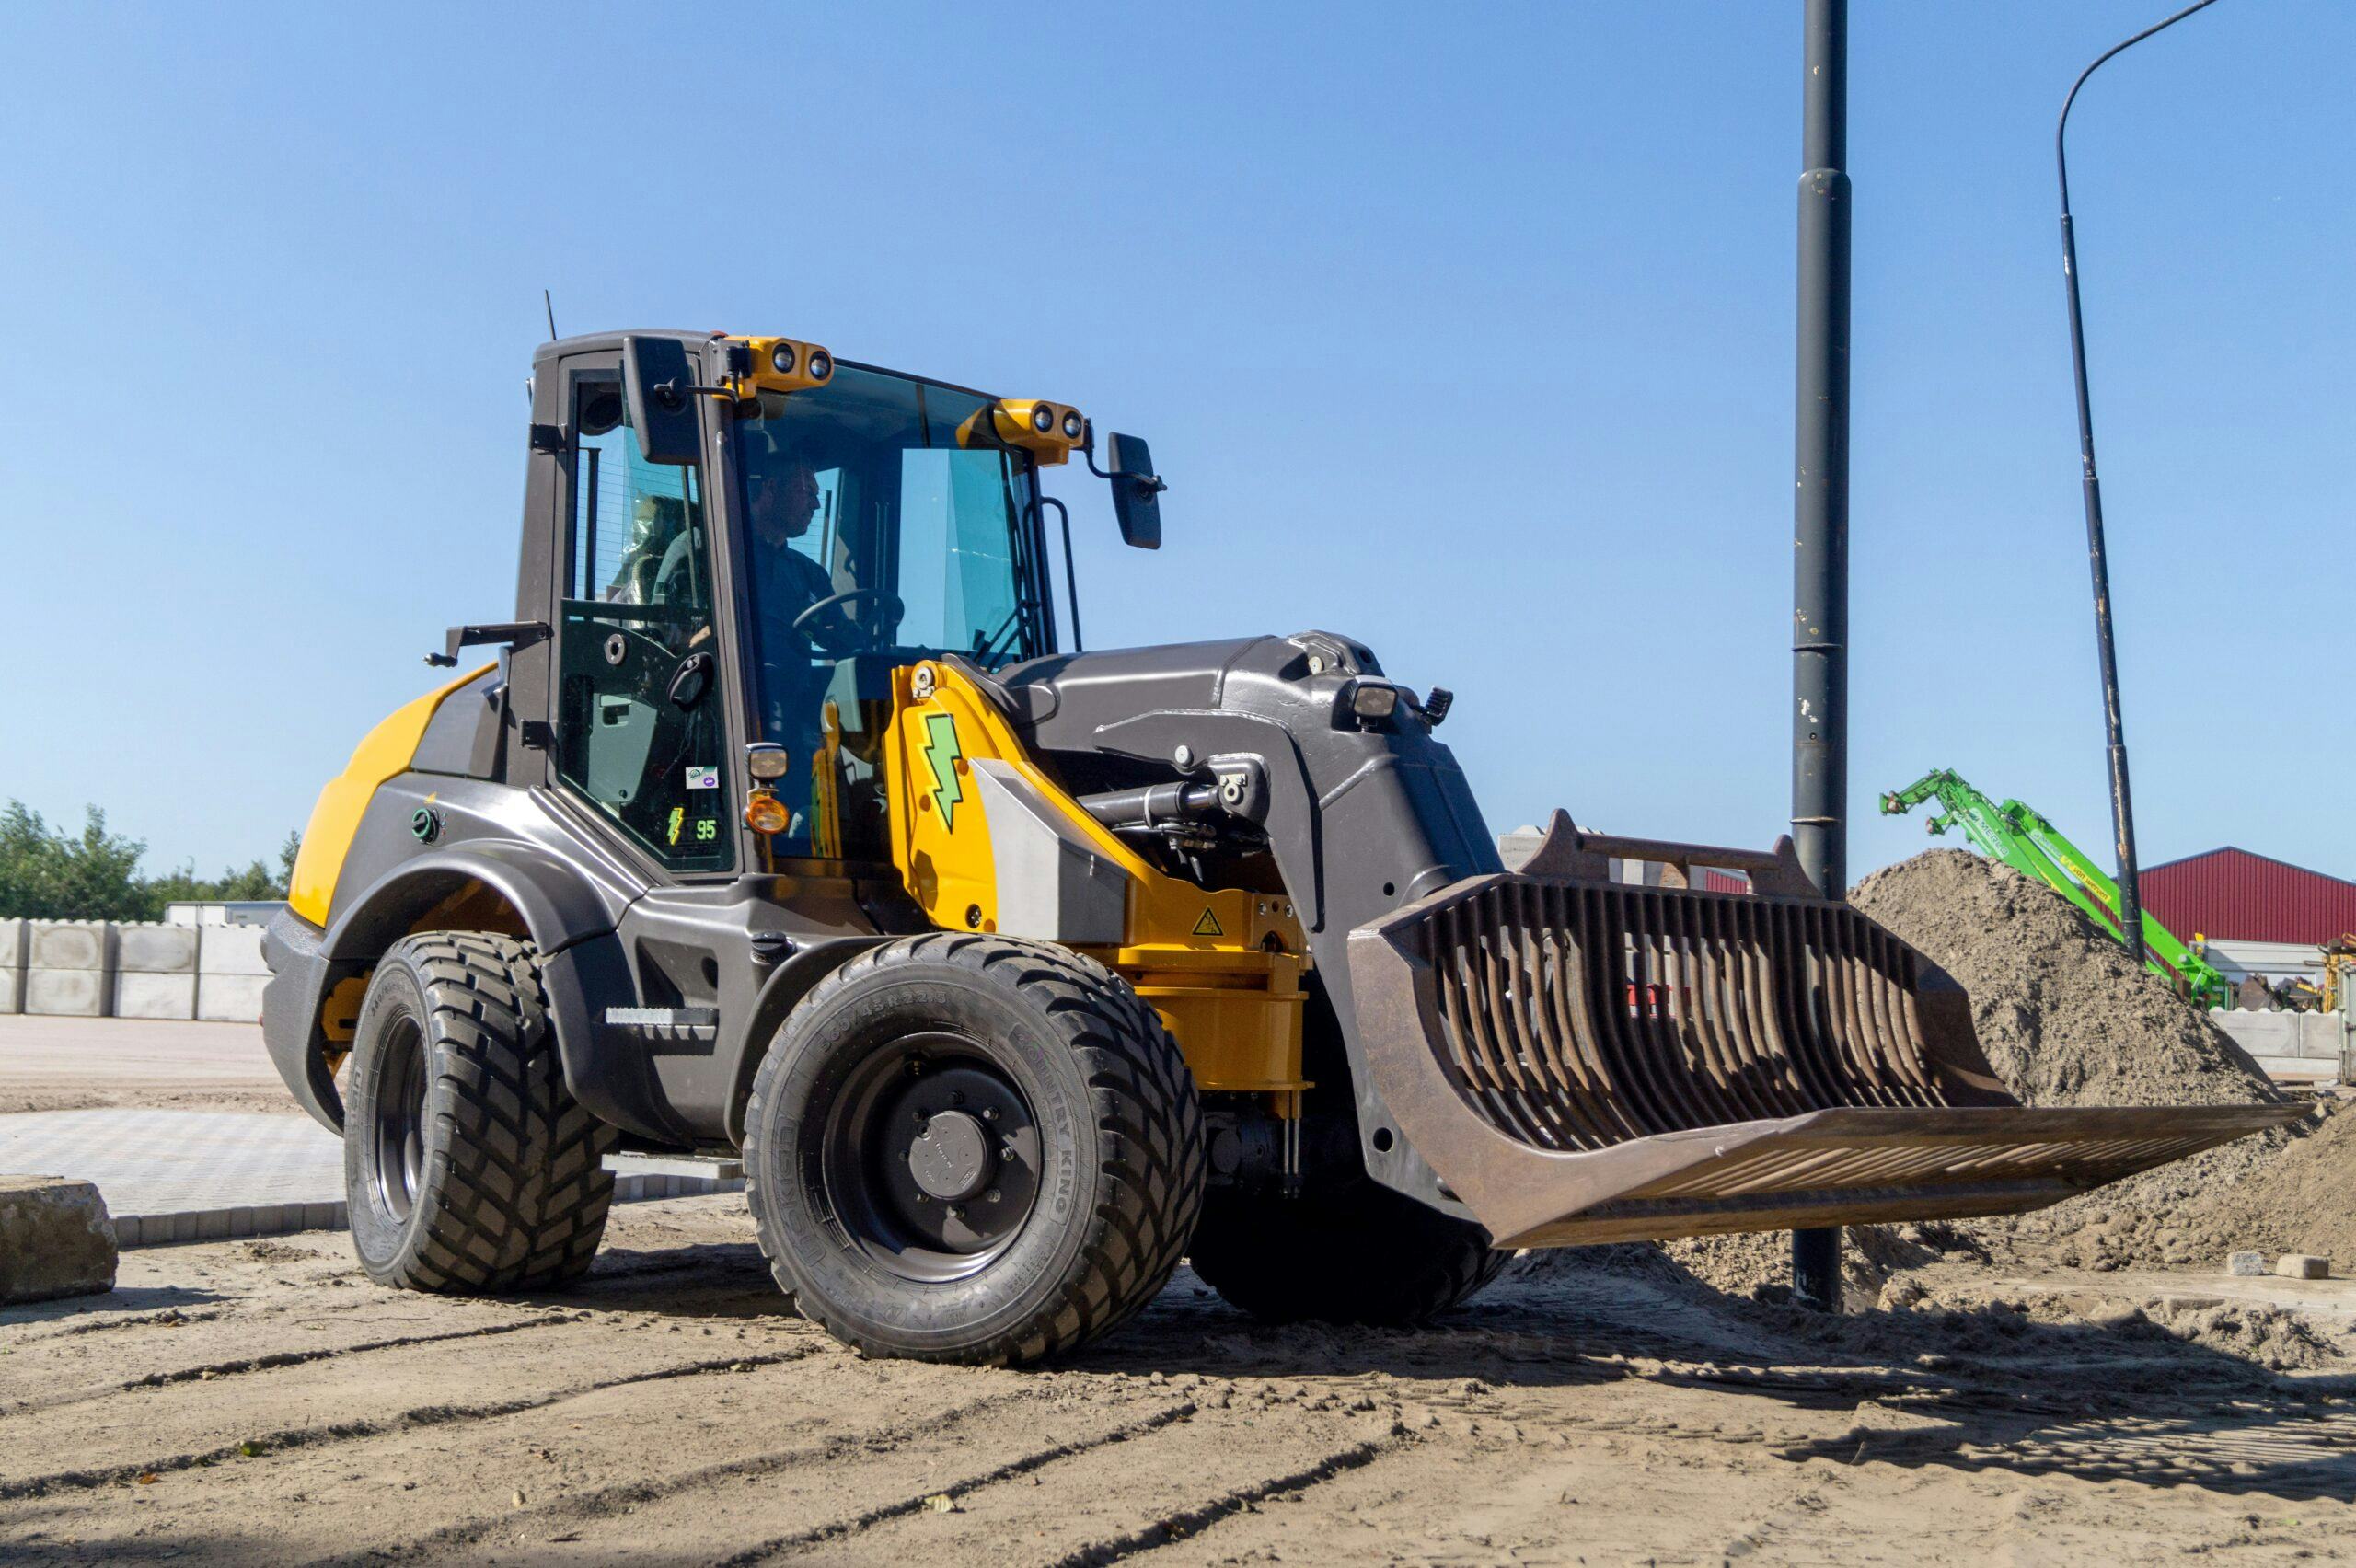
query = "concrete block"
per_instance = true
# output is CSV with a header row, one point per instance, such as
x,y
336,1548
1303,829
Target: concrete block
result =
x,y
12,990
2299,1265
12,944
67,993
55,1240
70,944
230,949
153,995
2247,1266
155,950
229,998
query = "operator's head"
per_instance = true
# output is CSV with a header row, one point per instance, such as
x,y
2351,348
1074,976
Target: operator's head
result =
x,y
784,498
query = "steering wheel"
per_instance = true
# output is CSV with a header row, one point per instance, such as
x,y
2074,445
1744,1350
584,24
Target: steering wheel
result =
x,y
883,598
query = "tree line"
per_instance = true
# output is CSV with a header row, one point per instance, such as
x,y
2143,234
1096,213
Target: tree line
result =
x,y
49,873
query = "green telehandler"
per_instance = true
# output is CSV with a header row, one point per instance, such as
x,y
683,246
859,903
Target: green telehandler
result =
x,y
2023,839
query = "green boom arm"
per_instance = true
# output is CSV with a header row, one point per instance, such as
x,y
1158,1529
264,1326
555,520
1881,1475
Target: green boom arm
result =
x,y
2025,840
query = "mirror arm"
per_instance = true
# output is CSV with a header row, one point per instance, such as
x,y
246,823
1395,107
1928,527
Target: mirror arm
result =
x,y
514,634
673,395
1153,484
1088,454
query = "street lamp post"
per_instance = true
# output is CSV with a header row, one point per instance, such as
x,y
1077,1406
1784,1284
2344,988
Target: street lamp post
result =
x,y
2122,804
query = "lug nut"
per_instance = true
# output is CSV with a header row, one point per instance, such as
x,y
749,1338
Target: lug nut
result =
x,y
990,1197
990,1114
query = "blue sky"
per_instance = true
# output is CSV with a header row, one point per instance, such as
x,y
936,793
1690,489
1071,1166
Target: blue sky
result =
x,y
1466,330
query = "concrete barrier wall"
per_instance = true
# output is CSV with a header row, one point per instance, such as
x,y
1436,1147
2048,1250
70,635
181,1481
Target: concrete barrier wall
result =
x,y
2307,1037
229,973
131,969
12,966
69,968
154,971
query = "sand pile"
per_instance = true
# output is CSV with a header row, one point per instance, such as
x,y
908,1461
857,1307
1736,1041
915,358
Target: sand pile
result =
x,y
2068,1018
2296,1201
2065,1016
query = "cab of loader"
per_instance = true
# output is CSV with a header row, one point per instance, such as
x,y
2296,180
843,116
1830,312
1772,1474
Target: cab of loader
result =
x,y
782,833
866,520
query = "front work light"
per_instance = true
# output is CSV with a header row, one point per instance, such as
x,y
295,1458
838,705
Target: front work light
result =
x,y
1373,700
781,365
1047,431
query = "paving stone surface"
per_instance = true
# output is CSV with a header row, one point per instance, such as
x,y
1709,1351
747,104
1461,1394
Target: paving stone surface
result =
x,y
166,1161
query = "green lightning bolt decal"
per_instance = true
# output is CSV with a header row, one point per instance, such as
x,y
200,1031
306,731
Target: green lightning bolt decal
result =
x,y
940,755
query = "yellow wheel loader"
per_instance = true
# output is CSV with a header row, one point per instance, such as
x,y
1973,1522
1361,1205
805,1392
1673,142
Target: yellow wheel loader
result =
x,y
781,829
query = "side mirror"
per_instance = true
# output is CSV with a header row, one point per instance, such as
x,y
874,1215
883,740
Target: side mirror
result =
x,y
656,383
1136,491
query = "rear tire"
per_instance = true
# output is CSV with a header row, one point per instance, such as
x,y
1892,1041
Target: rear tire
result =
x,y
1364,1254
469,1166
973,1148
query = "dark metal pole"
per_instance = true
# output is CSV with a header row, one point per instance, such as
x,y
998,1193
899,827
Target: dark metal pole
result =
x,y
1820,564
2122,801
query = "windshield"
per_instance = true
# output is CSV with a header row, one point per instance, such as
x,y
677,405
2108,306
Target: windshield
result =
x,y
884,523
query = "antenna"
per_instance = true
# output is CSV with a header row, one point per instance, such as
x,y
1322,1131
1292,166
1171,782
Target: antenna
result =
x,y
551,308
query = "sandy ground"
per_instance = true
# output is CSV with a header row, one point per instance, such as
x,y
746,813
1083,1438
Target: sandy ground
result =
x,y
261,1402
79,1064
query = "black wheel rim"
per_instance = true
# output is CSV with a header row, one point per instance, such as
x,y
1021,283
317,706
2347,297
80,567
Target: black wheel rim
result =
x,y
928,1158
400,1118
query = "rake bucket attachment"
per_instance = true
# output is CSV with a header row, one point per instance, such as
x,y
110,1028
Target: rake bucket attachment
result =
x,y
1582,1060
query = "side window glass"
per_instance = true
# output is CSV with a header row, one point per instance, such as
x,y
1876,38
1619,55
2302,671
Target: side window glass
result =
x,y
957,573
638,728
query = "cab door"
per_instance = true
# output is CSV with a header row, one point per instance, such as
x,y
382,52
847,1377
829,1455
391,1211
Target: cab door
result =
x,y
639,711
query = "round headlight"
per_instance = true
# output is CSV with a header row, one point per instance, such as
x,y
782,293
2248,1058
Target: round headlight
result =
x,y
1042,418
822,364
782,359
1073,425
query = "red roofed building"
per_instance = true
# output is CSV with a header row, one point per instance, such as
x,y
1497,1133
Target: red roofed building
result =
x,y
2233,895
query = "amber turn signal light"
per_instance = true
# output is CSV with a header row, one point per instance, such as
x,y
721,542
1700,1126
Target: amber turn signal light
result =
x,y
764,814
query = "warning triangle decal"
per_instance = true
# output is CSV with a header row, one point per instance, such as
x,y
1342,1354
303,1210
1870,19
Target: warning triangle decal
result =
x,y
1208,925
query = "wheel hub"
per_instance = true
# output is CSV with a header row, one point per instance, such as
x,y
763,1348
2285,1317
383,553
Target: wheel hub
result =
x,y
951,1157
932,1160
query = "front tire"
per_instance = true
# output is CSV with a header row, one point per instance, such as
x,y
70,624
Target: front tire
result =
x,y
469,1166
972,1148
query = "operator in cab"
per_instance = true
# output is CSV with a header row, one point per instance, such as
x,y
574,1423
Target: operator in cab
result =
x,y
796,641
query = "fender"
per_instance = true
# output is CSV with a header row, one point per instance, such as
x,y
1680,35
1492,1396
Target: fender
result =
x,y
556,904
560,911
779,993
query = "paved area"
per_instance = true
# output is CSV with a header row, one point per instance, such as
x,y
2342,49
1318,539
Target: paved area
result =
x,y
202,1175
168,1162
187,1131
71,1064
